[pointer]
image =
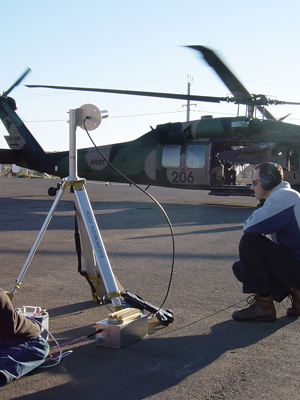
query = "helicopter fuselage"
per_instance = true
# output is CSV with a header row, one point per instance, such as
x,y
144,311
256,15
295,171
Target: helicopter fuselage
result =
x,y
188,155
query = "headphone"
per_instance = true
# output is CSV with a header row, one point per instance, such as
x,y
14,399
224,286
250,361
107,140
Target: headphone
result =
x,y
269,180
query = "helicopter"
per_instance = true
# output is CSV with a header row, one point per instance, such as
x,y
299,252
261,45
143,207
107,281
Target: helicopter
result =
x,y
206,154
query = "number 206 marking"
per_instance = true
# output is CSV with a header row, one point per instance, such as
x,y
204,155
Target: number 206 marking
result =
x,y
182,177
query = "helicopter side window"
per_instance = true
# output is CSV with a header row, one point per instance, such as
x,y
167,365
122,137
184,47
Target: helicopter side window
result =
x,y
171,156
195,156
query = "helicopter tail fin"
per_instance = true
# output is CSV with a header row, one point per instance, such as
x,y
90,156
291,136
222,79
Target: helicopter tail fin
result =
x,y
25,150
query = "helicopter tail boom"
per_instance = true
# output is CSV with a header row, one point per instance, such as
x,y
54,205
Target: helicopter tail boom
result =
x,y
8,156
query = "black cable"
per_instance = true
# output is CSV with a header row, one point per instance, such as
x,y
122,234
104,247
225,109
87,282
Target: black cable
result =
x,y
152,198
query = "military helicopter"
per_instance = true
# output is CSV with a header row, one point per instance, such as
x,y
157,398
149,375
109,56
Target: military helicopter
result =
x,y
204,154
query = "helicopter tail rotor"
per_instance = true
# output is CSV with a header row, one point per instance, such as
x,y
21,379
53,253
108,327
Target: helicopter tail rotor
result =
x,y
17,83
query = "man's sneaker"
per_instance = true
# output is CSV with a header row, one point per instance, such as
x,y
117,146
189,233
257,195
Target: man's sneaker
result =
x,y
294,311
261,309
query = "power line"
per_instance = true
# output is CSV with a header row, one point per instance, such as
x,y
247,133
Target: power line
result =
x,y
149,114
111,117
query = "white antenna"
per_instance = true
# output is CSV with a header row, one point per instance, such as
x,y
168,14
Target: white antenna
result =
x,y
188,103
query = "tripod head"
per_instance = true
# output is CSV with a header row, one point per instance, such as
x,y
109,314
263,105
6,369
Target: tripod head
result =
x,y
87,117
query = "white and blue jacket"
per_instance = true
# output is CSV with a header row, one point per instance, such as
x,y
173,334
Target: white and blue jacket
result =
x,y
279,217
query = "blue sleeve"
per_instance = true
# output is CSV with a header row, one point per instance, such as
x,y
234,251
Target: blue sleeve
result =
x,y
268,222
277,213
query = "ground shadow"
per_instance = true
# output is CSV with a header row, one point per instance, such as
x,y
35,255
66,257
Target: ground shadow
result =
x,y
151,366
26,214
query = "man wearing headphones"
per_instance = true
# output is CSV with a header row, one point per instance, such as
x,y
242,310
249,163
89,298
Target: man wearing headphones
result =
x,y
270,268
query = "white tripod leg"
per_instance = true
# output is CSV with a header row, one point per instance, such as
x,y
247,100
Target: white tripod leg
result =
x,y
37,241
87,219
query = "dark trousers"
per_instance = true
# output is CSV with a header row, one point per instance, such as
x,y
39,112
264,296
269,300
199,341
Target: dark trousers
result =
x,y
266,267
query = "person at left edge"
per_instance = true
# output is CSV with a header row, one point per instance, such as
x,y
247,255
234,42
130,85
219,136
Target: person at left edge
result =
x,y
22,347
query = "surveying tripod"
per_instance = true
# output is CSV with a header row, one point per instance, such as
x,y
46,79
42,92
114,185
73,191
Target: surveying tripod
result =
x,y
97,264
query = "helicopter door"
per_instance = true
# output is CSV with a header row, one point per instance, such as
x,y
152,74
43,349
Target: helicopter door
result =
x,y
183,165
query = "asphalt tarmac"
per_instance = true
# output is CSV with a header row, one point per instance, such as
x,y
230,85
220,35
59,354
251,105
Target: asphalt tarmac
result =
x,y
203,354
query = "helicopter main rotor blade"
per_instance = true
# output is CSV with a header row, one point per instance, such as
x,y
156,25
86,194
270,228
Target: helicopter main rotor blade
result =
x,y
290,103
230,80
210,99
17,82
241,94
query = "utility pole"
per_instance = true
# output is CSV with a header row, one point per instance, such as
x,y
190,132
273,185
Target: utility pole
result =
x,y
188,104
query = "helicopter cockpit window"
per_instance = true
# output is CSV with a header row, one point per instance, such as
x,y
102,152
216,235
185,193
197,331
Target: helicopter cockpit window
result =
x,y
171,156
195,156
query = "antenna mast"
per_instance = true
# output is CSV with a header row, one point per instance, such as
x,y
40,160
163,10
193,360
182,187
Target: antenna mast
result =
x,y
188,104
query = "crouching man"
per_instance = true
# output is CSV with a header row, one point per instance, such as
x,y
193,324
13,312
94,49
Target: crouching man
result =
x,y
22,349
270,268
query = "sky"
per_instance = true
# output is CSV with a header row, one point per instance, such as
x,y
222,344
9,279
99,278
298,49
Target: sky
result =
x,y
140,45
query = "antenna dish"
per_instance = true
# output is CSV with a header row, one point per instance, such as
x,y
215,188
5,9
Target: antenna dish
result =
x,y
90,117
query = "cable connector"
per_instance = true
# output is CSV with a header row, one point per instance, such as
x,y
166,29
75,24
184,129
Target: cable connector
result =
x,y
164,316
